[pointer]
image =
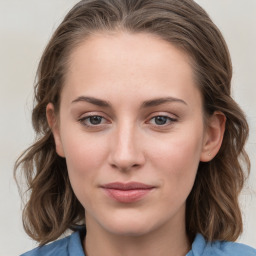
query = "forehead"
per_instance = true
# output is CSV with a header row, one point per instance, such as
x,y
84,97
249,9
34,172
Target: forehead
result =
x,y
121,49
115,64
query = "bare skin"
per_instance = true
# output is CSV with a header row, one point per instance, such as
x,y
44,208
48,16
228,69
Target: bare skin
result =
x,y
131,112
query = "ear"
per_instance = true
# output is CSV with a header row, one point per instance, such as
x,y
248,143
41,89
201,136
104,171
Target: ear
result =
x,y
54,125
213,136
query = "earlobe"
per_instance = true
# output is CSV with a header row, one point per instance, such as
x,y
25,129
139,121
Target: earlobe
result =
x,y
54,125
213,136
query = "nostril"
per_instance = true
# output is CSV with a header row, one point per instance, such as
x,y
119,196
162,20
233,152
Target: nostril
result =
x,y
125,168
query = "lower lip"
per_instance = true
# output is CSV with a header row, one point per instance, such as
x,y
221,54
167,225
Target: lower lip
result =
x,y
127,196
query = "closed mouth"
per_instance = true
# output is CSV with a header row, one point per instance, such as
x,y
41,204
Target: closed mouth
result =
x,y
127,186
127,192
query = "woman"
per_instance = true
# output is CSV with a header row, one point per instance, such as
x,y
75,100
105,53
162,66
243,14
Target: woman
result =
x,y
139,139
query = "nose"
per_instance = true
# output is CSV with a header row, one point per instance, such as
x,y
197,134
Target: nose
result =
x,y
126,150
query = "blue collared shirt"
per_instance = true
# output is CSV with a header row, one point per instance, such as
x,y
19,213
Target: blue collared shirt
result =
x,y
72,246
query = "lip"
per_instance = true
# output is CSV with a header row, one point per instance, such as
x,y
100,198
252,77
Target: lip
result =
x,y
127,192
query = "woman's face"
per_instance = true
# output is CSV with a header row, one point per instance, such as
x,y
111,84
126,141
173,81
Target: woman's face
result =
x,y
131,130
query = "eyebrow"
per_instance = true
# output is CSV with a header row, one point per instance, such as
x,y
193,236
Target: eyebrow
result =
x,y
94,101
145,104
160,101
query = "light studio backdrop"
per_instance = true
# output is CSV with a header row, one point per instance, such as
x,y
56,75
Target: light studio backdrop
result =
x,y
25,28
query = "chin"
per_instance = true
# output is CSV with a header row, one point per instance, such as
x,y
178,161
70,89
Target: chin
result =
x,y
129,225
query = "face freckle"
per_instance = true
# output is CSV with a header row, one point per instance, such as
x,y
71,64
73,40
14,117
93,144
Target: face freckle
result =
x,y
131,112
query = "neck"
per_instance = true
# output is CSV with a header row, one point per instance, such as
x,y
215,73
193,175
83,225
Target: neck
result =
x,y
166,240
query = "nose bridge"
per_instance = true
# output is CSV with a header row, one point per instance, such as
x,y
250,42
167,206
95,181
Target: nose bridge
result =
x,y
125,152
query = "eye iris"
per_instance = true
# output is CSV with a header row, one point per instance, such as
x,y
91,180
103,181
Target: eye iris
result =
x,y
95,120
160,120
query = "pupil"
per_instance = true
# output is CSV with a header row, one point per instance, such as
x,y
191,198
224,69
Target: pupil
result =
x,y
95,120
160,120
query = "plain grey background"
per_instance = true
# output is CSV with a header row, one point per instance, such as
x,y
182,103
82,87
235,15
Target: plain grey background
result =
x,y
25,28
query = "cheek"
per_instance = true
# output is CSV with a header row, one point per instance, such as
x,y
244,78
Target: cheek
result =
x,y
178,157
84,157
84,160
179,168
182,150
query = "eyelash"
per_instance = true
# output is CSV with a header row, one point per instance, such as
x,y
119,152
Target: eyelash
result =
x,y
85,119
168,119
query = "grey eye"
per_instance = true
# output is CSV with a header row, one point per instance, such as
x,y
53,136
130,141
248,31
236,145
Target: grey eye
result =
x,y
161,120
95,120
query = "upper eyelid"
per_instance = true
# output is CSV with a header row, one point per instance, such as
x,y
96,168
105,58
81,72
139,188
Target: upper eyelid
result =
x,y
92,113
171,119
107,117
88,116
170,116
165,114
83,121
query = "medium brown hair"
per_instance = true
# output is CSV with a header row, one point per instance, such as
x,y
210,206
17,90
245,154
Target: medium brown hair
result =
x,y
212,206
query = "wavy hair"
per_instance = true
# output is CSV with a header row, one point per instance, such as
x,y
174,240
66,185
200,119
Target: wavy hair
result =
x,y
212,206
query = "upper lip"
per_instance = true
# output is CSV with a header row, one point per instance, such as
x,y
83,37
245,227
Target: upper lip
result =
x,y
127,186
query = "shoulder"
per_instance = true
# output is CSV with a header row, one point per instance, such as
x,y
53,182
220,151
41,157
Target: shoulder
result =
x,y
58,247
67,246
219,248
